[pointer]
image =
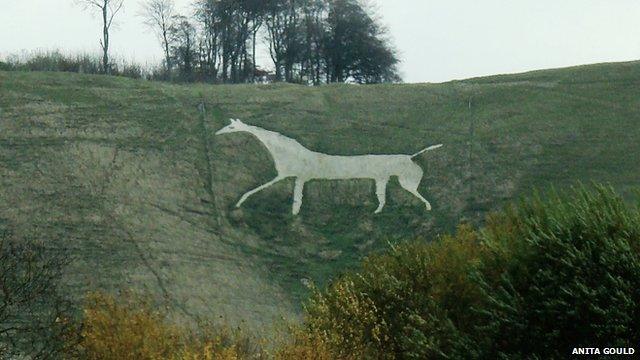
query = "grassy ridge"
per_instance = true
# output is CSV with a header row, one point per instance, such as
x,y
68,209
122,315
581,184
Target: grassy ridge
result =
x,y
128,176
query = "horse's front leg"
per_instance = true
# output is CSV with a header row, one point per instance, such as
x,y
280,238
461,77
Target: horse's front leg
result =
x,y
259,188
381,192
297,195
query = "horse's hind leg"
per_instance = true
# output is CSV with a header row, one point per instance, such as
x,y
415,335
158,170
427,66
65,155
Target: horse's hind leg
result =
x,y
381,193
411,183
297,196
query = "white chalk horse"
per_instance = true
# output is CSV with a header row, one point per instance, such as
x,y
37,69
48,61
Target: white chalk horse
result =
x,y
294,160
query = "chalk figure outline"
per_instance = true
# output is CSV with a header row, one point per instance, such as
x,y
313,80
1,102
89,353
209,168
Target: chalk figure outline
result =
x,y
292,159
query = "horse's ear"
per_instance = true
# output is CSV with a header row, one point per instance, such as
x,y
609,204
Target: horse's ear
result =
x,y
231,121
240,121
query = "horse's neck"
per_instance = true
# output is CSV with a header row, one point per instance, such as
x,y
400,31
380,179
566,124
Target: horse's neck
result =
x,y
276,142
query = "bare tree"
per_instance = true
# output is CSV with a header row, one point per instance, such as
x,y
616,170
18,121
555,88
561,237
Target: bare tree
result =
x,y
35,313
158,15
315,13
182,37
108,9
284,36
208,18
256,11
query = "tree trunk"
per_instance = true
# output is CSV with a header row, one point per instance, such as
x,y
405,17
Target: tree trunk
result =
x,y
318,66
225,55
167,54
105,41
253,58
288,71
232,73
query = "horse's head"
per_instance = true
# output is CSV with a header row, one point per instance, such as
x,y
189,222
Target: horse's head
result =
x,y
234,126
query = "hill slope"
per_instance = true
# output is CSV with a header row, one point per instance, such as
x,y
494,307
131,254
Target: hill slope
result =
x,y
129,177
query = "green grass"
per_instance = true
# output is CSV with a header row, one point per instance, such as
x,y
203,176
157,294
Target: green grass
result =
x,y
128,176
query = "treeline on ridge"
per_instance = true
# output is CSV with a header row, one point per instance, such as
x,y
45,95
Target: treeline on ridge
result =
x,y
309,42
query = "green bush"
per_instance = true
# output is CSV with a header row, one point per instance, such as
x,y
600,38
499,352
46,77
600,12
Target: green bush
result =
x,y
5,66
562,273
540,278
410,303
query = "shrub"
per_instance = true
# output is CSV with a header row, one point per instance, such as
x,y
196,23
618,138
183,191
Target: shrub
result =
x,y
562,273
76,63
540,278
220,343
35,311
133,328
125,330
5,66
410,303
305,345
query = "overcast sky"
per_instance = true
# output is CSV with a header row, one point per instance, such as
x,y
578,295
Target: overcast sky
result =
x,y
438,40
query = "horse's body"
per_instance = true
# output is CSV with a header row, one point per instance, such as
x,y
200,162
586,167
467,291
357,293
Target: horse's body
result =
x,y
294,160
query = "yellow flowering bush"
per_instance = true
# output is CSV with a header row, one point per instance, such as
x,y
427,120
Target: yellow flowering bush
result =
x,y
132,328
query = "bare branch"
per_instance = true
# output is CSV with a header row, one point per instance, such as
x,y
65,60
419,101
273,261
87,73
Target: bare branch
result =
x,y
157,12
108,9
31,298
89,3
114,6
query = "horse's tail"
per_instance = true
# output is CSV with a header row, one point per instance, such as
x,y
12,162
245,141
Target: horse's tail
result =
x,y
433,147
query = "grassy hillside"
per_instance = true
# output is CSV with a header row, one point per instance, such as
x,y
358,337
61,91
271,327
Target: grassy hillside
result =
x,y
128,177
